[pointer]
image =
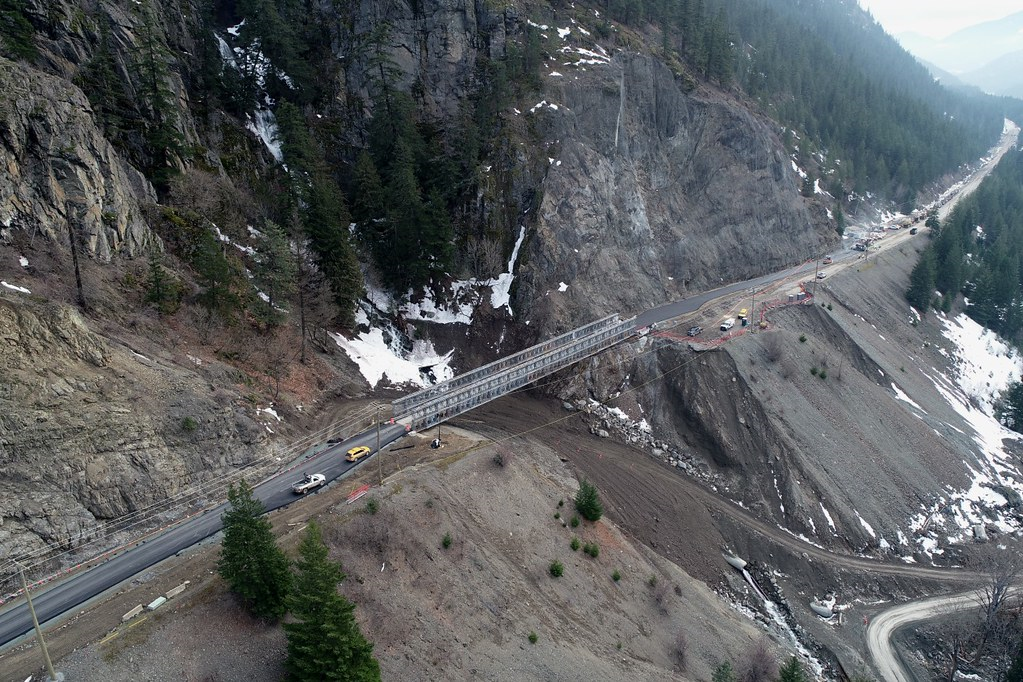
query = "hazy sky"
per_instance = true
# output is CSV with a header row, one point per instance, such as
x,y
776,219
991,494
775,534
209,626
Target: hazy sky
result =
x,y
937,18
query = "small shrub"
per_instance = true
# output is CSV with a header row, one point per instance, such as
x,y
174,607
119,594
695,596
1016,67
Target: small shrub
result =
x,y
814,371
681,650
574,522
189,424
372,505
557,569
823,374
617,575
557,515
446,541
533,637
902,369
575,544
593,549
587,502
802,338
429,503
652,581
830,307
499,459
561,503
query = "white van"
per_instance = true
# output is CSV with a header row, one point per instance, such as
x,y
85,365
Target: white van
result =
x,y
727,324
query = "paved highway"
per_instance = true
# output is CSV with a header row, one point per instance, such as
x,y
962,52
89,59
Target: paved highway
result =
x,y
274,493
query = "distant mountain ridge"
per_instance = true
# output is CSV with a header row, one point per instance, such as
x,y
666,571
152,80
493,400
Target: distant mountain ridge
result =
x,y
988,55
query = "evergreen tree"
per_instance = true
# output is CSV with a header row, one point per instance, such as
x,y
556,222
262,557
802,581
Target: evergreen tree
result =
x,y
273,273
403,262
792,671
839,220
250,562
17,36
164,142
217,274
322,213
162,290
368,202
324,641
723,673
101,83
921,282
587,502
1009,408
1015,671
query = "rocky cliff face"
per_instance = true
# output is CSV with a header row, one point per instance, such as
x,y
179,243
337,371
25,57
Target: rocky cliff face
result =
x,y
59,175
653,192
91,430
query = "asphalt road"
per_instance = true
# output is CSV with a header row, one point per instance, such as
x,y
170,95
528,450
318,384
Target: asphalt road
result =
x,y
276,492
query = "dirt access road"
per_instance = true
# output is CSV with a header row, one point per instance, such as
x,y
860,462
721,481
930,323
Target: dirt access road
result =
x,y
881,629
654,502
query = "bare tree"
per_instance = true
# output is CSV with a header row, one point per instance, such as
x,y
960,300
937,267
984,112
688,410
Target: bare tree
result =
x,y
482,257
681,650
954,633
1003,571
759,664
773,346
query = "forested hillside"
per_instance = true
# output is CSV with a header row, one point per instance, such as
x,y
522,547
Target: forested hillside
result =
x,y
978,252
361,142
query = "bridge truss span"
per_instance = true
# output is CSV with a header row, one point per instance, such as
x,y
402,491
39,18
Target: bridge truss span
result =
x,y
448,399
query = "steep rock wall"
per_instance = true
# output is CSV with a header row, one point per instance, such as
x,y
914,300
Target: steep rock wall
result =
x,y
59,173
653,192
91,430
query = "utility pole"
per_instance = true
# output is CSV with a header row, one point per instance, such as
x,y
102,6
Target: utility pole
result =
x,y
816,268
380,463
51,675
753,309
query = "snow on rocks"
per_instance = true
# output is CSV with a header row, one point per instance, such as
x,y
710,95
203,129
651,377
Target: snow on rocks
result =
x,y
606,420
265,128
982,367
378,358
15,287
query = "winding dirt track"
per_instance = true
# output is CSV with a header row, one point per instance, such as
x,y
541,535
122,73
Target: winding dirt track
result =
x,y
884,625
656,503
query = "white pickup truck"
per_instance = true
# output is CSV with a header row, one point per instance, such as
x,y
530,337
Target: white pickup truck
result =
x,y
727,324
310,482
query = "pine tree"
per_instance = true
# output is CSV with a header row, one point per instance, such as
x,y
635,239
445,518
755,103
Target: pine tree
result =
x,y
324,641
839,220
1015,671
921,282
164,142
792,671
216,273
587,502
105,89
162,290
273,273
17,36
723,673
250,561
368,202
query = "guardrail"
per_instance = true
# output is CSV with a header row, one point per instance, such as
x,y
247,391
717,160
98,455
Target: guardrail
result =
x,y
409,402
451,398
